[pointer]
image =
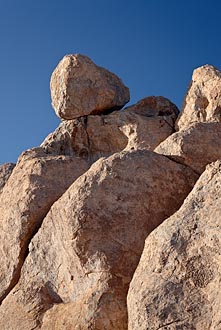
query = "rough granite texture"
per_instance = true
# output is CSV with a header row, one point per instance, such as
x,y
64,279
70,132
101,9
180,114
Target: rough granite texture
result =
x,y
36,182
79,88
5,172
141,126
76,211
202,102
177,282
82,259
196,146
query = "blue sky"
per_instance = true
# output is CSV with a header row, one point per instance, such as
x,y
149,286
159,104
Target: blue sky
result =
x,y
153,45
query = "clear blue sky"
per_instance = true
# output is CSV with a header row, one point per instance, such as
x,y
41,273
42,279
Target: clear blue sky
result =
x,y
153,45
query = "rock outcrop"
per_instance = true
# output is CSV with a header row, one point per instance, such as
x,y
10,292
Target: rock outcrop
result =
x,y
79,88
177,282
197,142
76,211
5,172
82,259
37,181
202,102
143,125
195,146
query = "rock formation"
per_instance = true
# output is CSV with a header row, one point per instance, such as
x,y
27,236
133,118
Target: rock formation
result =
x,y
37,181
79,88
76,211
177,282
202,102
5,172
196,146
77,255
181,257
143,125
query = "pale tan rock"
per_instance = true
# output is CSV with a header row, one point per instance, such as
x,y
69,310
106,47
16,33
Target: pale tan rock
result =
x,y
177,282
143,125
36,182
79,88
5,172
195,146
202,102
82,259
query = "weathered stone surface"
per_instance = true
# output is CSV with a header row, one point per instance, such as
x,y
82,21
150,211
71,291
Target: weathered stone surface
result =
x,y
82,259
202,102
143,125
195,146
79,88
154,106
5,172
37,181
177,282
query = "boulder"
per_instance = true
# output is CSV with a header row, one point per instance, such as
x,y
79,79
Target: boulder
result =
x,y
36,182
143,125
153,106
202,102
177,282
5,172
79,87
82,259
196,146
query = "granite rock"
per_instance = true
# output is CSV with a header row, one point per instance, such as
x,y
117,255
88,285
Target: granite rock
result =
x,y
79,87
202,102
177,282
81,261
5,172
36,182
196,146
141,126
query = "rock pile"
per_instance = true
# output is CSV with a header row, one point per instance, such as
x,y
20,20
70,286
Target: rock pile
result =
x,y
105,226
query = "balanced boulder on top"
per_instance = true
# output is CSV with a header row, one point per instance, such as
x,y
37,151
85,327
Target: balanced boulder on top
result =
x,y
79,88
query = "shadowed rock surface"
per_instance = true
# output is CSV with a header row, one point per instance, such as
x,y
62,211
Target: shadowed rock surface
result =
x,y
5,172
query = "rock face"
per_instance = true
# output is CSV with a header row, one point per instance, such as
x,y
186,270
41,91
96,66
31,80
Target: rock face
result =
x,y
143,125
76,211
82,259
37,181
177,282
203,99
79,88
195,146
5,172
